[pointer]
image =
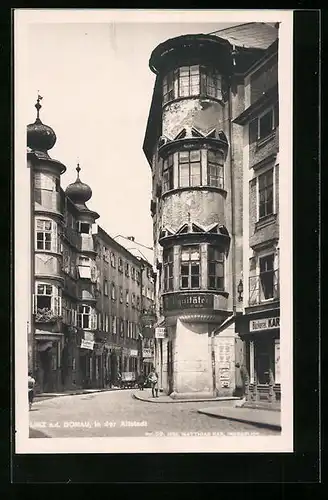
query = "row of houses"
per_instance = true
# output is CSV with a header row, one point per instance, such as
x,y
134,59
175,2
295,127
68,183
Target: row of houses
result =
x,y
89,290
212,143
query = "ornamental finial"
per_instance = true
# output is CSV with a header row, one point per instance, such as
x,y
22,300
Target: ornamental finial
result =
x,y
38,106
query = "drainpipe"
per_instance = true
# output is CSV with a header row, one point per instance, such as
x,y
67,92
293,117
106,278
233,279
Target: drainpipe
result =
x,y
232,179
141,313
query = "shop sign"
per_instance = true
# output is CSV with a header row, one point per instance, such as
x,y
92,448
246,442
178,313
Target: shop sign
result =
x,y
87,344
133,352
160,332
89,336
147,353
264,324
125,351
188,301
148,360
99,349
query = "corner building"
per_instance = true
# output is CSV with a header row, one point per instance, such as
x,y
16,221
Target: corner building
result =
x,y
195,151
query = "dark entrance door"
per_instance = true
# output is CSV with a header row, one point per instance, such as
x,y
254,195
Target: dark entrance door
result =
x,y
45,358
170,366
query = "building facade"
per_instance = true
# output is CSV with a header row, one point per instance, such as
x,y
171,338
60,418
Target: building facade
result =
x,y
196,152
87,288
259,327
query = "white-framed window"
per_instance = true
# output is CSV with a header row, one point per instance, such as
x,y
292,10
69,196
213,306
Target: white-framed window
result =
x,y
268,277
47,301
84,267
113,259
46,235
106,323
189,163
168,269
106,288
215,168
121,327
127,298
83,227
86,317
113,291
190,267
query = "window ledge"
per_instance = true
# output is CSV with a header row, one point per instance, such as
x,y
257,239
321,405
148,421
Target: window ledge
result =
x,y
195,188
200,97
265,221
262,142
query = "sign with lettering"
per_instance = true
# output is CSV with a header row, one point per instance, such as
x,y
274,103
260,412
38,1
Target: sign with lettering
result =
x,y
160,332
264,324
147,353
89,336
87,344
133,352
188,301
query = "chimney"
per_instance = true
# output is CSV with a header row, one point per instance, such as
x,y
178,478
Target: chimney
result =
x,y
131,238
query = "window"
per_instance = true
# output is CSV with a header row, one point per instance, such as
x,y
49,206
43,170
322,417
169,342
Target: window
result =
x,y
215,169
267,277
121,322
127,269
106,323
215,269
189,168
86,319
46,235
263,361
168,174
112,259
114,331
46,181
83,227
138,302
190,267
133,273
120,264
121,295
106,288
191,81
265,193
265,124
113,294
138,276
127,297
47,301
133,300
168,269
84,267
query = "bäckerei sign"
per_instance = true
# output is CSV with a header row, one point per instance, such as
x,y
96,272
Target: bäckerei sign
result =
x,y
264,324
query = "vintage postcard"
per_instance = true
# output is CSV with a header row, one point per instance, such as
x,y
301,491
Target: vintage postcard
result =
x,y
153,231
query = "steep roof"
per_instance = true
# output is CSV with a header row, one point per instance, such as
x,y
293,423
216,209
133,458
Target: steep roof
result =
x,y
137,249
250,35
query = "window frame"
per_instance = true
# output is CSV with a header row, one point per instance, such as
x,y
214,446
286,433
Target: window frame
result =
x,y
260,137
258,194
217,262
189,165
55,298
168,269
190,262
269,273
53,232
218,166
168,173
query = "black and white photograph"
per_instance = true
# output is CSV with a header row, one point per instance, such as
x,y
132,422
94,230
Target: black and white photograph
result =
x,y
153,217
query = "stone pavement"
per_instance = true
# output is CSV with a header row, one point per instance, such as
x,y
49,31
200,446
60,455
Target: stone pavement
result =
x,y
255,416
146,396
46,395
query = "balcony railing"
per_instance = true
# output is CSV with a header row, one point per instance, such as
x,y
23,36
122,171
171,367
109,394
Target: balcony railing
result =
x,y
264,287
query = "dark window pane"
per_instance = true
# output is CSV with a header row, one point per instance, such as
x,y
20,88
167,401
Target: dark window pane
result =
x,y
184,282
184,269
211,282
195,282
194,269
211,268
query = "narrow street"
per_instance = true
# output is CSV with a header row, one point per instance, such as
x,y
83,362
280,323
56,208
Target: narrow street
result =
x,y
118,414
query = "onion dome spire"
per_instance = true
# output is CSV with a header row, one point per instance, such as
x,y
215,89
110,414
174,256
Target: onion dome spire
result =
x,y
78,191
40,137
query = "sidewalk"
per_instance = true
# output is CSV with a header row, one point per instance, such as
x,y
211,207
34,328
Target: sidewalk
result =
x,y
255,416
146,396
49,395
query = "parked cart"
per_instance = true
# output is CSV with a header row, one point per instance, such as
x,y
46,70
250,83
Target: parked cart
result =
x,y
129,380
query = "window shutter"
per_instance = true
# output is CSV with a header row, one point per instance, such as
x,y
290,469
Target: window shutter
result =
x,y
94,229
56,305
54,237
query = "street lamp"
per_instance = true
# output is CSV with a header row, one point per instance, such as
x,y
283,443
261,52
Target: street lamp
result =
x,y
240,289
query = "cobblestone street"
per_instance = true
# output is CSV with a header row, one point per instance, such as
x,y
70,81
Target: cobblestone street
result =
x,y
117,414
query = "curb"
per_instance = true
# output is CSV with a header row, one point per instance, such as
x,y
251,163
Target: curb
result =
x,y
156,401
59,395
276,427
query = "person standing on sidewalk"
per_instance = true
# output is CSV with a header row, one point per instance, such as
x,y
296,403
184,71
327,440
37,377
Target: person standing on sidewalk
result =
x,y
153,379
31,385
141,381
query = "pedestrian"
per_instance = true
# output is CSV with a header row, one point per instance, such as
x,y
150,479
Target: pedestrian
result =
x,y
153,379
141,381
31,385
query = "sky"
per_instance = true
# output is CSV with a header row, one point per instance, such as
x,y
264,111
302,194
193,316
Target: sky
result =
x,y
97,89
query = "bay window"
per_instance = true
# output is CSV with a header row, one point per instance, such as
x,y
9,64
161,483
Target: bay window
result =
x,y
46,182
46,235
47,302
86,318
190,267
194,80
168,269
189,168
84,267
215,268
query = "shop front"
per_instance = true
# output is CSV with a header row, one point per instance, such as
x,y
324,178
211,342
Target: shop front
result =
x,y
48,346
261,334
86,348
